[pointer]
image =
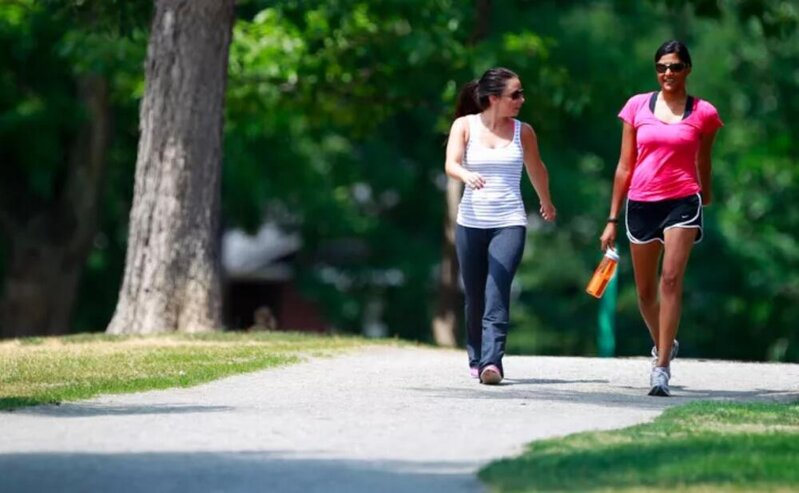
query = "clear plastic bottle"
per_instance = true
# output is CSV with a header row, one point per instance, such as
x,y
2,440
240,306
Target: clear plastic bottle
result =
x,y
603,273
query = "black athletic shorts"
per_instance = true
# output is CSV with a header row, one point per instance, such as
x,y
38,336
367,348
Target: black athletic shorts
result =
x,y
646,221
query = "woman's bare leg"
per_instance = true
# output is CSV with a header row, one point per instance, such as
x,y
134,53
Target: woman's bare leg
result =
x,y
679,242
645,266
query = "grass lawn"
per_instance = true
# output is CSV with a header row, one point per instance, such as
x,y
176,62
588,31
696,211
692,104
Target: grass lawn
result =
x,y
699,447
55,369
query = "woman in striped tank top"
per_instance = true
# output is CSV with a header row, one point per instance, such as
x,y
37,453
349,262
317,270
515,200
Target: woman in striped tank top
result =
x,y
486,150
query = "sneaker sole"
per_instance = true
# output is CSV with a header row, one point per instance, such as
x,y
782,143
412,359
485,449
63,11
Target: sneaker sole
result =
x,y
660,391
490,377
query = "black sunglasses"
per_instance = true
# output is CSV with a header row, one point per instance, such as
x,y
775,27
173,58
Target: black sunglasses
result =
x,y
517,94
674,67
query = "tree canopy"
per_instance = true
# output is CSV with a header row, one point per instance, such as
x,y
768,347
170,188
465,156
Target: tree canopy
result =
x,y
336,116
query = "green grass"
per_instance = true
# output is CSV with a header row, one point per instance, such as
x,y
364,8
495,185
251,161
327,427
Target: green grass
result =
x,y
56,369
699,447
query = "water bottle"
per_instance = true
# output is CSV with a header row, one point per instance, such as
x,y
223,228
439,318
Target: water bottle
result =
x,y
603,273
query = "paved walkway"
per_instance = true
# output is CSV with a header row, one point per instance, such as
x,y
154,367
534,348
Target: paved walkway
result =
x,y
383,419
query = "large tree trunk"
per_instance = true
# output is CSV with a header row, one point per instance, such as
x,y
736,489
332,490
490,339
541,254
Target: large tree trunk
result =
x,y
48,252
172,279
446,320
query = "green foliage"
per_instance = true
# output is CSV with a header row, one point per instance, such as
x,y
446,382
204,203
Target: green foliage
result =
x,y
49,45
741,283
117,17
336,117
704,446
32,104
324,109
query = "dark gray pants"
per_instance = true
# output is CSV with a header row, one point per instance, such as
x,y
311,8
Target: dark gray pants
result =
x,y
488,261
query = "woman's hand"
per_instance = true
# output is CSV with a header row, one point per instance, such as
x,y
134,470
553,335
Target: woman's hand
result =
x,y
474,180
707,197
548,211
608,238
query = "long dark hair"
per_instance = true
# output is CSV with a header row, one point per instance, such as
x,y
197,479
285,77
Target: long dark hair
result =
x,y
674,46
473,96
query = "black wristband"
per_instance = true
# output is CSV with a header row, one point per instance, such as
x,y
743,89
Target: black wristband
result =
x,y
613,220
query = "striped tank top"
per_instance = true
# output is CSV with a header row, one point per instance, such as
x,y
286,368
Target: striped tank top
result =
x,y
499,203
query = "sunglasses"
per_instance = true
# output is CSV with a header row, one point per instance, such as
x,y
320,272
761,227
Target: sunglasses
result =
x,y
674,67
517,94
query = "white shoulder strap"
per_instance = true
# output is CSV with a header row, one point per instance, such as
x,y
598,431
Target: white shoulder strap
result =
x,y
472,125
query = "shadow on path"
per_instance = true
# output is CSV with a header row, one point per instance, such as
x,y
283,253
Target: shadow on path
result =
x,y
615,397
229,472
74,410
545,381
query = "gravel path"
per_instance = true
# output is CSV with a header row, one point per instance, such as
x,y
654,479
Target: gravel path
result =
x,y
381,419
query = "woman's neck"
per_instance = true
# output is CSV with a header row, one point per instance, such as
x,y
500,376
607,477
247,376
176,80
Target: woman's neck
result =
x,y
677,96
491,119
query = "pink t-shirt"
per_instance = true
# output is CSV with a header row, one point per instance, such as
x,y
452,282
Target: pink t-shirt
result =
x,y
665,165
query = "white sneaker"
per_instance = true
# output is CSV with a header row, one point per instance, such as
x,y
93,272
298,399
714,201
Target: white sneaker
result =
x,y
675,348
659,382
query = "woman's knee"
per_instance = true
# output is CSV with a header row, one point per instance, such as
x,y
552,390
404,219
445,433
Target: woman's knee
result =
x,y
497,314
647,295
671,281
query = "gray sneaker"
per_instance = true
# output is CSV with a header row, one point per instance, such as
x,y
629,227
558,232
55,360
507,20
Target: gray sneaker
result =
x,y
659,382
675,348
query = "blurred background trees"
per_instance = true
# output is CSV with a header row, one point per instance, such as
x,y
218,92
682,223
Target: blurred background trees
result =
x,y
336,118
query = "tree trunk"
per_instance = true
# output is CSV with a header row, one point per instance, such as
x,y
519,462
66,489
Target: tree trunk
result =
x,y
47,253
172,279
446,320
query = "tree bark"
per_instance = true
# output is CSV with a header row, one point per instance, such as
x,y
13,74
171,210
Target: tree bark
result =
x,y
172,279
48,251
446,320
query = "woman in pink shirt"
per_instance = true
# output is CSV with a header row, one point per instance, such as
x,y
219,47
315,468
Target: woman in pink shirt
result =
x,y
664,170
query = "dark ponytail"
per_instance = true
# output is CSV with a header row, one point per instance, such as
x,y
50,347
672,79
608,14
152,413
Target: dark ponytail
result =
x,y
473,97
467,100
